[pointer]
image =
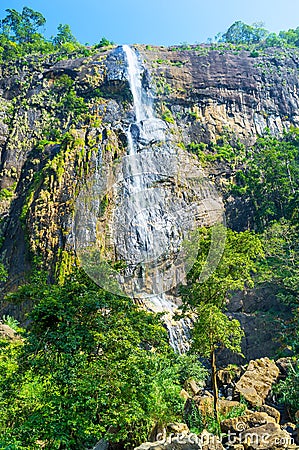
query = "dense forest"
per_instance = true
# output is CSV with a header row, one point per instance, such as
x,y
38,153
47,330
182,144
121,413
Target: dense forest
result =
x,y
86,364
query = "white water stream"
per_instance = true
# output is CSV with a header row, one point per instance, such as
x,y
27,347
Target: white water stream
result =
x,y
146,230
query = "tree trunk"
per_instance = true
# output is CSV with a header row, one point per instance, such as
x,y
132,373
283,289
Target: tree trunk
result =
x,y
214,385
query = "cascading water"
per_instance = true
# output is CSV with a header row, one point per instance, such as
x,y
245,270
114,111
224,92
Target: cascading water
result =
x,y
158,195
178,331
142,103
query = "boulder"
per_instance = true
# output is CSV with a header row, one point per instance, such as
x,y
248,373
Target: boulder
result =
x,y
7,333
273,412
205,441
178,428
256,383
206,405
101,445
192,387
292,430
234,447
184,394
209,441
267,437
242,423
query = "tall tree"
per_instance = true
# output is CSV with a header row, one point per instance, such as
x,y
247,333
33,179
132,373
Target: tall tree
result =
x,y
207,297
22,27
64,35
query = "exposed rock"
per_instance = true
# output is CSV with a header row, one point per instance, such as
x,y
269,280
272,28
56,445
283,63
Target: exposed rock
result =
x,y
158,433
193,387
242,423
204,90
227,90
204,441
206,405
101,445
234,447
209,441
184,394
257,381
178,428
292,430
267,437
229,374
8,333
273,412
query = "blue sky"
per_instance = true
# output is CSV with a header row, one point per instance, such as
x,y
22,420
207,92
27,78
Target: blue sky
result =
x,y
158,22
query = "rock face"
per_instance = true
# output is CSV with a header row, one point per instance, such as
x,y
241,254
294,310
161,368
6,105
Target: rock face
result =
x,y
257,381
51,151
219,89
159,196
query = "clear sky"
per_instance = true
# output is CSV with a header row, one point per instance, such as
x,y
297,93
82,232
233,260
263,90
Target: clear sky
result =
x,y
158,22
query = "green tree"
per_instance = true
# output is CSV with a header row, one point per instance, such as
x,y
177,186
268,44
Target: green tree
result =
x,y
241,33
269,179
288,390
104,42
207,297
64,35
214,330
22,27
291,37
92,366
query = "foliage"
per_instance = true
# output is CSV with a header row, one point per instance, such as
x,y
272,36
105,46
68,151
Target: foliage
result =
x,y
281,265
22,27
213,329
288,389
20,36
3,273
92,365
104,43
207,296
197,421
269,178
11,322
64,35
241,33
233,272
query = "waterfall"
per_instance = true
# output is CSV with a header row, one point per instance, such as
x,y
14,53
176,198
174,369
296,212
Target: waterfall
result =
x,y
141,210
145,233
142,103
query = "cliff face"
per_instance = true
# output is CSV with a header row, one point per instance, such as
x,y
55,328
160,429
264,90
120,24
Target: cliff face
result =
x,y
60,119
210,91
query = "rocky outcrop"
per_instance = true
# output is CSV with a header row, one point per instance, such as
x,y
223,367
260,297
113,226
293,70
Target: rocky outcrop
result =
x,y
214,90
205,405
8,333
257,381
242,423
